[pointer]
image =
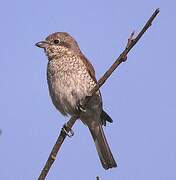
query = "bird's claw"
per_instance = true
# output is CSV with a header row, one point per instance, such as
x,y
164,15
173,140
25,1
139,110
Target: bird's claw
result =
x,y
68,133
81,108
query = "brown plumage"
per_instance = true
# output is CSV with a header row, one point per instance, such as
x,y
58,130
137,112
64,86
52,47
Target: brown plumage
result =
x,y
70,79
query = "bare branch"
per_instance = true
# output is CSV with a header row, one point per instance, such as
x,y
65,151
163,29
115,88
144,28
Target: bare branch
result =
x,y
70,123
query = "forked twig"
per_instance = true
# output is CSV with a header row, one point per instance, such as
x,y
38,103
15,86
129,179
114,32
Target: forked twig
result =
x,y
123,57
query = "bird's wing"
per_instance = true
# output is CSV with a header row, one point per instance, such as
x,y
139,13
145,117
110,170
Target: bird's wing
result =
x,y
89,66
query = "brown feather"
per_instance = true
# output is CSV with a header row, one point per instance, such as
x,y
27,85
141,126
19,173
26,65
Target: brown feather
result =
x,y
89,66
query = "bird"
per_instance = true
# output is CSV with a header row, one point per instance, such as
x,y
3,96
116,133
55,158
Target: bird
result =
x,y
70,78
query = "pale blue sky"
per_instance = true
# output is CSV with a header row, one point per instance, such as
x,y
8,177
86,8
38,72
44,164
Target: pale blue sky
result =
x,y
140,95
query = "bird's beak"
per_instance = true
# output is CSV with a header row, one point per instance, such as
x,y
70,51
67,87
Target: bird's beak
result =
x,y
42,44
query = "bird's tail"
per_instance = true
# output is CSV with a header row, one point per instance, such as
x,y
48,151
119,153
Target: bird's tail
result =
x,y
104,152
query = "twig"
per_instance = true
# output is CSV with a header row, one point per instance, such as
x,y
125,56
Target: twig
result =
x,y
70,123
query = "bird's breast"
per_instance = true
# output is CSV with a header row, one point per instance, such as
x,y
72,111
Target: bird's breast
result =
x,y
69,82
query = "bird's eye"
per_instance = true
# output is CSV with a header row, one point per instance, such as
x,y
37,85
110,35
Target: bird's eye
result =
x,y
56,41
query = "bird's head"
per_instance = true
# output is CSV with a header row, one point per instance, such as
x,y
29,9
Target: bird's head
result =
x,y
58,44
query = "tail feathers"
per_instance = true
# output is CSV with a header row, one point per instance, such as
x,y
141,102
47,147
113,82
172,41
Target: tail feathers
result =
x,y
102,146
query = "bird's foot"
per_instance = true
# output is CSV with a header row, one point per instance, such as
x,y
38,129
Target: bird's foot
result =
x,y
81,108
68,133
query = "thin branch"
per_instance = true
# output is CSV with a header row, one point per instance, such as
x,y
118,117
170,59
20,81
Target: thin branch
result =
x,y
123,56
70,123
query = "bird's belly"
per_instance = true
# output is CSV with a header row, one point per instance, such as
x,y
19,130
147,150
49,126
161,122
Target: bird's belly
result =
x,y
67,91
